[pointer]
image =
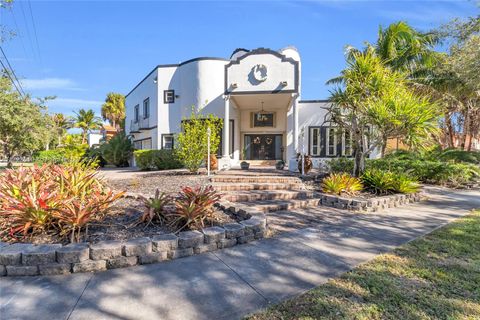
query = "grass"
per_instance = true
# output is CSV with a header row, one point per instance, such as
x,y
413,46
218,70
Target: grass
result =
x,y
434,277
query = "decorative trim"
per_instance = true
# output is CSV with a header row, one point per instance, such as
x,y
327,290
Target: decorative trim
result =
x,y
263,51
314,101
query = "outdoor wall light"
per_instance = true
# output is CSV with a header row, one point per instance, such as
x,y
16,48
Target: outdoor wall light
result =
x,y
155,80
284,83
177,96
234,85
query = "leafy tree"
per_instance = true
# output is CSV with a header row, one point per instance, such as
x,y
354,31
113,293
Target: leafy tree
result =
x,y
113,109
87,121
23,124
375,104
192,148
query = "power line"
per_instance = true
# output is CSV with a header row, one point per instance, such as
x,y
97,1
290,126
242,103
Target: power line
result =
x,y
18,31
35,32
27,28
12,71
8,74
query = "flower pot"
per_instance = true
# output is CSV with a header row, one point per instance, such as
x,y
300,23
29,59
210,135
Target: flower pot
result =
x,y
244,165
213,162
280,165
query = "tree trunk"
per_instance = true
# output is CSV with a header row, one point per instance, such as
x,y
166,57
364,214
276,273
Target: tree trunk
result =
x,y
450,131
84,136
466,128
383,148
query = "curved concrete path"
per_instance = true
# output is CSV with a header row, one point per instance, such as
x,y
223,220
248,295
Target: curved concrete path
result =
x,y
234,282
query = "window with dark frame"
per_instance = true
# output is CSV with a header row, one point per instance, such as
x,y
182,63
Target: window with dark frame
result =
x,y
167,141
331,142
136,113
146,108
168,96
347,147
315,145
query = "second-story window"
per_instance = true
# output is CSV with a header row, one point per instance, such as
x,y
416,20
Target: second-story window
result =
x,y
168,96
146,108
136,113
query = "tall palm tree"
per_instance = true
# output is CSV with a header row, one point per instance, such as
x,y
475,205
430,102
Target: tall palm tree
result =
x,y
403,48
62,124
87,121
113,109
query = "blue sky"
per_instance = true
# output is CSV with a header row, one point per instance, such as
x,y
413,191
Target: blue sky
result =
x,y
88,48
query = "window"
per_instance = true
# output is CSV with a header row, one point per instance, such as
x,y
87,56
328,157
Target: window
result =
x,y
168,96
146,108
137,145
263,119
136,113
347,149
331,148
314,139
167,141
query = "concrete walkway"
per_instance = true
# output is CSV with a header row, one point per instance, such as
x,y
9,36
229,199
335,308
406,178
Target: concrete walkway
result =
x,y
234,282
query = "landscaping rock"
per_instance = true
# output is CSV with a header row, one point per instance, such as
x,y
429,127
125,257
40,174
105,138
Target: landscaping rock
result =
x,y
254,224
40,254
165,242
3,271
121,262
89,266
153,257
22,270
137,247
205,248
54,268
180,253
12,254
227,243
189,239
213,234
73,253
234,230
245,239
105,250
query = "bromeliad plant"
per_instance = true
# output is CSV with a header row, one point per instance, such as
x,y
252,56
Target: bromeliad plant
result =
x,y
338,183
193,206
155,208
384,182
51,199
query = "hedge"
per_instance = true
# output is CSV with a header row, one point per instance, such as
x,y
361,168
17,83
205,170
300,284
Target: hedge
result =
x,y
56,156
156,159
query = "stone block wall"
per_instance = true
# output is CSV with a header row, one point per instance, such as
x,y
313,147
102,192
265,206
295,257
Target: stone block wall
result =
x,y
370,205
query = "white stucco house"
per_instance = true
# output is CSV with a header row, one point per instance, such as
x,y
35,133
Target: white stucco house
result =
x,y
256,92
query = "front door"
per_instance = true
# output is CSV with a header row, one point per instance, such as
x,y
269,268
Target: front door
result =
x,y
263,147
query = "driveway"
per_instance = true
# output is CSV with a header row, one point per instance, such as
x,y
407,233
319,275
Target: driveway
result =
x,y
231,283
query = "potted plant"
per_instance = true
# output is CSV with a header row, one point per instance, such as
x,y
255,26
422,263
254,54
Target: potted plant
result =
x,y
244,164
280,165
308,163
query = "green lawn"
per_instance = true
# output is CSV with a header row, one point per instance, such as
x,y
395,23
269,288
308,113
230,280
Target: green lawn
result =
x,y
435,277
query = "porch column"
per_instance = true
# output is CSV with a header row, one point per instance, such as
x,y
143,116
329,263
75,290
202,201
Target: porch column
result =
x,y
295,125
226,128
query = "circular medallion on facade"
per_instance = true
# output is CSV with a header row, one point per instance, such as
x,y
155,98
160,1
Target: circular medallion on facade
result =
x,y
259,72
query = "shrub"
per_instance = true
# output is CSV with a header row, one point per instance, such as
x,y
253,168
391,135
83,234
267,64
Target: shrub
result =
x,y
156,159
193,206
94,154
455,155
56,156
61,199
384,182
338,183
118,150
340,165
192,141
155,208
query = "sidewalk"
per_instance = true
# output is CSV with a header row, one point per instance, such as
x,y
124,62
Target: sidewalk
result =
x,y
231,283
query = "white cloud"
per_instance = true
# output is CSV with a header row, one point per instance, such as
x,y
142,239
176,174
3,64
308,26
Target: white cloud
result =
x,y
69,105
50,83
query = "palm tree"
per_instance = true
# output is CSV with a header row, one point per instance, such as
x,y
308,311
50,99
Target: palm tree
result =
x,y
403,48
87,121
62,124
113,109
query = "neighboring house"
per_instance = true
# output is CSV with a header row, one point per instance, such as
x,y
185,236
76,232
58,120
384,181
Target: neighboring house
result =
x,y
99,136
256,92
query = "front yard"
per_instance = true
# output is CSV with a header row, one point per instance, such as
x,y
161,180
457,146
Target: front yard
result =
x,y
434,277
